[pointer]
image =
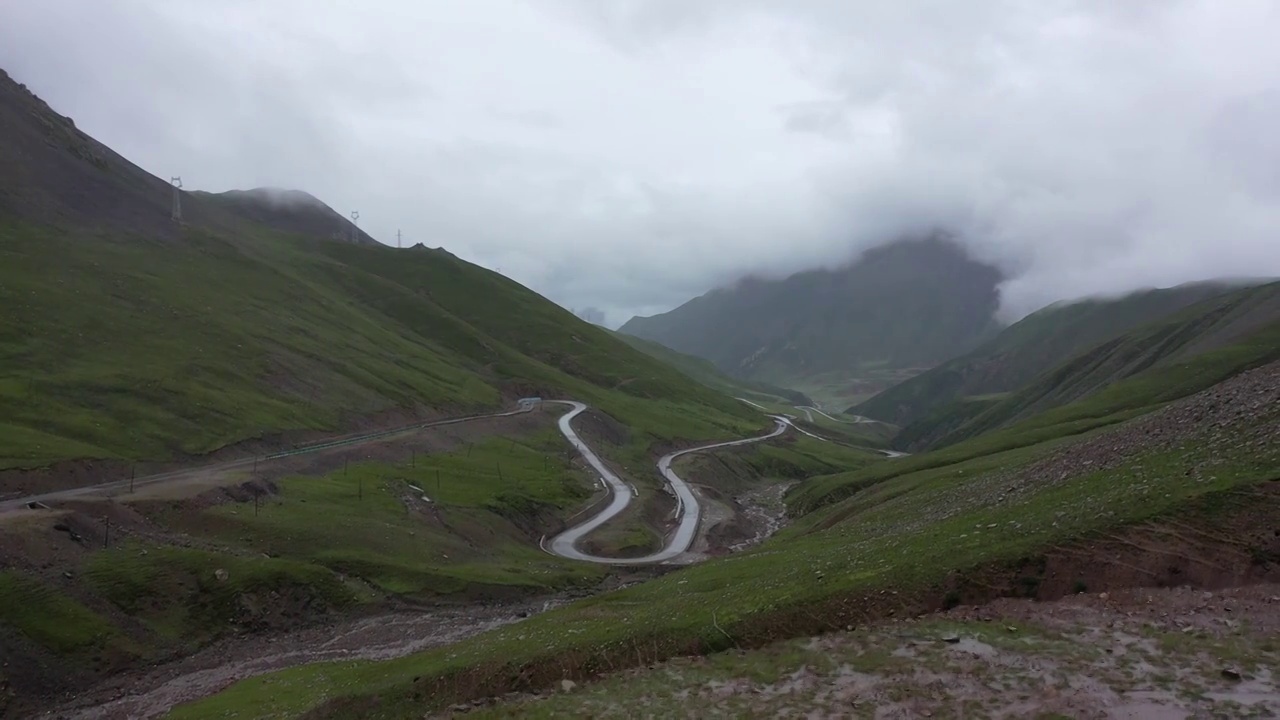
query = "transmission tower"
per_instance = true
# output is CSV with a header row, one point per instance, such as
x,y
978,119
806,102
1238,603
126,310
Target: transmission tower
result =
x,y
176,182
398,245
355,219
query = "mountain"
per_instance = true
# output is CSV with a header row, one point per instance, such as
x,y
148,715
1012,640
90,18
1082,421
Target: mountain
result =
x,y
595,316
291,211
55,174
1027,348
128,336
1172,357
707,374
1116,495
912,304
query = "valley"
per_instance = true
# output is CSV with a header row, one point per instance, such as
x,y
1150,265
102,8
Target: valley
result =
x,y
865,412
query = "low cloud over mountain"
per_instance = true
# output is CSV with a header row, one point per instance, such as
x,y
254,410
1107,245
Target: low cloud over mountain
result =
x,y
629,156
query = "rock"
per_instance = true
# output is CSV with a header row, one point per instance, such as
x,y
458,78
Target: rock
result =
x,y
567,685
951,639
1231,674
62,527
221,575
67,574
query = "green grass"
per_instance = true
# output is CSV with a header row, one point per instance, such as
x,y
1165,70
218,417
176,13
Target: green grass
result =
x,y
126,348
917,530
1113,404
363,522
705,372
1166,360
1028,348
50,618
911,663
805,457
177,594
356,521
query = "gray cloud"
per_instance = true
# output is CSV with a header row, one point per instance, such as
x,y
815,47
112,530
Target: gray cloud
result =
x,y
631,154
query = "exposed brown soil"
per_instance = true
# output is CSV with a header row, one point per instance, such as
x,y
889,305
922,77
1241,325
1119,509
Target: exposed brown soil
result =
x,y
378,635
1209,554
53,543
1136,654
1246,404
1242,413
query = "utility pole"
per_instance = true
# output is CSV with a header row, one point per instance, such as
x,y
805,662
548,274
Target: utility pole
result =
x,y
176,182
355,227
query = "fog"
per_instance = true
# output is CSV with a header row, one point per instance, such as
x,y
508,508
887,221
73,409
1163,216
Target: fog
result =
x,y
629,155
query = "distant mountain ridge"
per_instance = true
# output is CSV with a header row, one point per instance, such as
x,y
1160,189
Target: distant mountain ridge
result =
x,y
1030,347
292,211
55,173
135,337
706,373
912,303
1226,333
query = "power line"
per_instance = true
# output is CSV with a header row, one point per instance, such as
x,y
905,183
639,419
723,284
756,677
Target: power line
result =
x,y
176,182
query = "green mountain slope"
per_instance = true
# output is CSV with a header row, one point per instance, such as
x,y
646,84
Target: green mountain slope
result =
x,y
706,373
1027,348
128,336
1184,491
910,304
1219,336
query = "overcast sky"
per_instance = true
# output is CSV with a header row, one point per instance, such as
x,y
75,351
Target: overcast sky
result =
x,y
631,154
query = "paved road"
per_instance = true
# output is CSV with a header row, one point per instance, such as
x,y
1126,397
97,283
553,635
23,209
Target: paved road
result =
x,y
116,487
687,506
788,419
854,421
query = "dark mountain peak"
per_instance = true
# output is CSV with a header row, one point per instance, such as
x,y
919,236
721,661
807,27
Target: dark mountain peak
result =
x,y
1031,346
277,197
911,303
53,172
291,211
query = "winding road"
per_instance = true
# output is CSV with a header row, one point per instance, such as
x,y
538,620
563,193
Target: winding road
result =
x,y
687,507
789,420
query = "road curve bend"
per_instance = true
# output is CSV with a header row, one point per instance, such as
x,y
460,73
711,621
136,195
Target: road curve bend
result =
x,y
689,510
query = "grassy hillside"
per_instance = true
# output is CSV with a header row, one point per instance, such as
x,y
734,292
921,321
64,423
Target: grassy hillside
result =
x,y
910,304
1040,521
1161,352
705,372
1031,346
1119,402
119,347
126,335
